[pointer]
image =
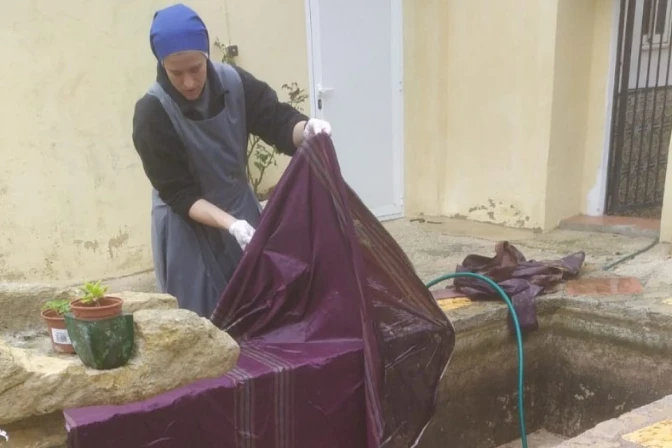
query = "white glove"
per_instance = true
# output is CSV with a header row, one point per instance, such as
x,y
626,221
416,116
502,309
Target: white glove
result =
x,y
314,127
242,232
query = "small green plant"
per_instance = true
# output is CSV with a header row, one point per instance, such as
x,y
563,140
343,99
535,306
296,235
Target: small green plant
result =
x,y
60,306
259,154
93,291
262,155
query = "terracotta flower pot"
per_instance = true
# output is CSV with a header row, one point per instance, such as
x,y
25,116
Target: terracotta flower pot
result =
x,y
105,308
60,340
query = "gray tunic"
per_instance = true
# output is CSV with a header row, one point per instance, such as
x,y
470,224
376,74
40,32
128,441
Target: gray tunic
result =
x,y
194,262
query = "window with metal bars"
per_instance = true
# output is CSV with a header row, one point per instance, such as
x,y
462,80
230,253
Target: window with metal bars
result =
x,y
656,21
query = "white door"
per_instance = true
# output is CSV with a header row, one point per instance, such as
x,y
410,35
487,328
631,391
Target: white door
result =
x,y
356,81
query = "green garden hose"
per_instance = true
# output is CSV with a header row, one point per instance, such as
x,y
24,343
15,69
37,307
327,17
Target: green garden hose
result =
x,y
505,298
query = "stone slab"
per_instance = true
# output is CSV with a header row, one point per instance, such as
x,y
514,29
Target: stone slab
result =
x,y
174,348
21,303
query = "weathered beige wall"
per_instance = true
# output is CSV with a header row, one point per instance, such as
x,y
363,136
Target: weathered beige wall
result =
x,y
666,215
74,200
499,119
570,113
479,82
425,103
592,193
503,125
280,59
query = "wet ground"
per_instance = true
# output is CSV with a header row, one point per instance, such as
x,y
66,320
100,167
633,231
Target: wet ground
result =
x,y
436,246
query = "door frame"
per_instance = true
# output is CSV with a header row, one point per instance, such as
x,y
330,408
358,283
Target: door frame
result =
x,y
312,13
596,200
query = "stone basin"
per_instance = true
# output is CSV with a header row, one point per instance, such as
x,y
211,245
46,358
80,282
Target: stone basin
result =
x,y
598,369
36,384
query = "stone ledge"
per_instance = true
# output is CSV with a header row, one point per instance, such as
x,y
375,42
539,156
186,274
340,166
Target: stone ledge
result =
x,y
47,431
35,381
21,303
631,312
136,301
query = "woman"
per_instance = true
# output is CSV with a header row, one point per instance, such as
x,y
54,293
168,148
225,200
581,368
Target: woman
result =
x,y
191,131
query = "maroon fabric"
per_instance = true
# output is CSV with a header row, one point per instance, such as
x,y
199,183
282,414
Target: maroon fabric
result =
x,y
521,279
320,274
312,390
321,267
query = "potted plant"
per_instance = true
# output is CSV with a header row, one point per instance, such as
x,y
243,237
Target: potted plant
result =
x,y
94,304
102,335
52,314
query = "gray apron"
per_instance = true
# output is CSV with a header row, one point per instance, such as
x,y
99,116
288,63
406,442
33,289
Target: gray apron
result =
x,y
194,262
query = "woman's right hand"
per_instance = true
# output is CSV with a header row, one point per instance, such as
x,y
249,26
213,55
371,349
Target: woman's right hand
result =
x,y
242,231
207,213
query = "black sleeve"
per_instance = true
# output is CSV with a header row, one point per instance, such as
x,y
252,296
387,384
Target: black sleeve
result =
x,y
267,117
163,156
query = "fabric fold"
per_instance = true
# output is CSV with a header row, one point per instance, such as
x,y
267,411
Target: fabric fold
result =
x,y
322,268
521,279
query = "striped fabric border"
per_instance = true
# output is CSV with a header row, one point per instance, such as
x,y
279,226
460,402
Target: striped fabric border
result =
x,y
243,405
285,424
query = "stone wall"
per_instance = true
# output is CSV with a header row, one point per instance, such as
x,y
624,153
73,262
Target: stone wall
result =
x,y
591,360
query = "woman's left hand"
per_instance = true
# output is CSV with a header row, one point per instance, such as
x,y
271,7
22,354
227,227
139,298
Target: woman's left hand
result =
x,y
315,126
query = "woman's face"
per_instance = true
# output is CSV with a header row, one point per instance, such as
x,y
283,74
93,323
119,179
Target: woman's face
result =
x,y
187,72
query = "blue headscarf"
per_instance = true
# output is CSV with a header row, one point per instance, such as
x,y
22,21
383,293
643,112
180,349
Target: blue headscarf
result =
x,y
177,28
